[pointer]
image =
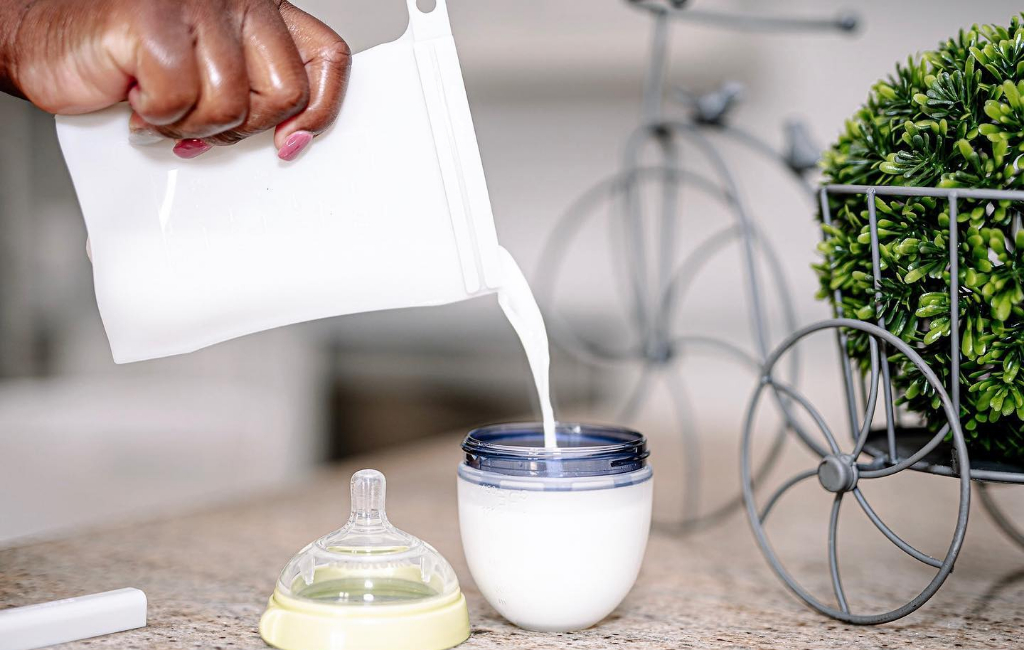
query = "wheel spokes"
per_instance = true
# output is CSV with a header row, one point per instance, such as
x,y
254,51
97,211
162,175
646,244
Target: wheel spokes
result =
x,y
912,460
638,395
691,444
782,489
833,561
891,536
731,349
815,415
722,511
838,472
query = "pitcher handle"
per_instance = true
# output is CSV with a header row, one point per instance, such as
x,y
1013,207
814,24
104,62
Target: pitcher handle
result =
x,y
427,25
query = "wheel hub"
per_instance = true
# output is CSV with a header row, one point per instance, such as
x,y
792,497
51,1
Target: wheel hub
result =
x,y
838,473
658,351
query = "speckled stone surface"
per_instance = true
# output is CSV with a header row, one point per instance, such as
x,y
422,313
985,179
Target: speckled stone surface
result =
x,y
208,575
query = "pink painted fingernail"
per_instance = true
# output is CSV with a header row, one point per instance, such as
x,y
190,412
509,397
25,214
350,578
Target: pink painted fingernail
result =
x,y
294,145
191,148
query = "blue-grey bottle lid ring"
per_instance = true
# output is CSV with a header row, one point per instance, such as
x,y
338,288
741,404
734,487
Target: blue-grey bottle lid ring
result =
x,y
583,450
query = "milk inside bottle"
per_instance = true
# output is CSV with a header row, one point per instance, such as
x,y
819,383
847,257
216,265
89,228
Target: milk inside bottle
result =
x,y
387,209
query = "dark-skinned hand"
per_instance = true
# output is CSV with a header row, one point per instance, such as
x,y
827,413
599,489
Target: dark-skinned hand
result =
x,y
202,72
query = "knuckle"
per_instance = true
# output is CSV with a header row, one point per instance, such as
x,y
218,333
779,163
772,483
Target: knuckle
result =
x,y
162,20
285,100
336,52
206,122
226,115
290,97
168,106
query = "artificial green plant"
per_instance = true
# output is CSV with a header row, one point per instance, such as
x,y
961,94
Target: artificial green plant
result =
x,y
953,117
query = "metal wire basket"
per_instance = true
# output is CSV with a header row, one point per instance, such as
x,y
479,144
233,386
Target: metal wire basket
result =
x,y
877,453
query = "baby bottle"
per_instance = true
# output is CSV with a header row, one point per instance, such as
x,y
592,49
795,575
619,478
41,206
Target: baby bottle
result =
x,y
554,537
366,586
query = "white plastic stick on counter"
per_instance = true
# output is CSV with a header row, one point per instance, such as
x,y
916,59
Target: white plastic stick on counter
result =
x,y
71,619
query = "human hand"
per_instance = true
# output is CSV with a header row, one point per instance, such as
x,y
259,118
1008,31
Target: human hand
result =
x,y
203,72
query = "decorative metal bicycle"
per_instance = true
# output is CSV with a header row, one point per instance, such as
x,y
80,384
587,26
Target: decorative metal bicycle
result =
x,y
877,453
659,279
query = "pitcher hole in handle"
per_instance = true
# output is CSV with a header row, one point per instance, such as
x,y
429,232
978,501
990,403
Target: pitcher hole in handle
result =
x,y
428,19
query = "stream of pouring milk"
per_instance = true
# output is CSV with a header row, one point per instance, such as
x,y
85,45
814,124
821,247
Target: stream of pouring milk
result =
x,y
522,312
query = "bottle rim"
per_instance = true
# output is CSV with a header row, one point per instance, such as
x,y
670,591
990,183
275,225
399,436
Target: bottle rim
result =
x,y
517,449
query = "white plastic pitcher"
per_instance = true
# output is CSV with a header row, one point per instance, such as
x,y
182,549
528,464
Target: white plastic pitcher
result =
x,y
387,209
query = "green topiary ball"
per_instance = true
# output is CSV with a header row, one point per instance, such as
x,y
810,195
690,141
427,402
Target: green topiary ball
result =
x,y
953,117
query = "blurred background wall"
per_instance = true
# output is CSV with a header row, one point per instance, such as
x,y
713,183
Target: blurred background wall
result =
x,y
555,89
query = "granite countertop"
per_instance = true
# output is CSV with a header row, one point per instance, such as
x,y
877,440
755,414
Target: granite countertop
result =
x,y
208,575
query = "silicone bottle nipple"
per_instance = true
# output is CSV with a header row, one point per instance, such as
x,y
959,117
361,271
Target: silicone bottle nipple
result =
x,y
368,489
368,529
